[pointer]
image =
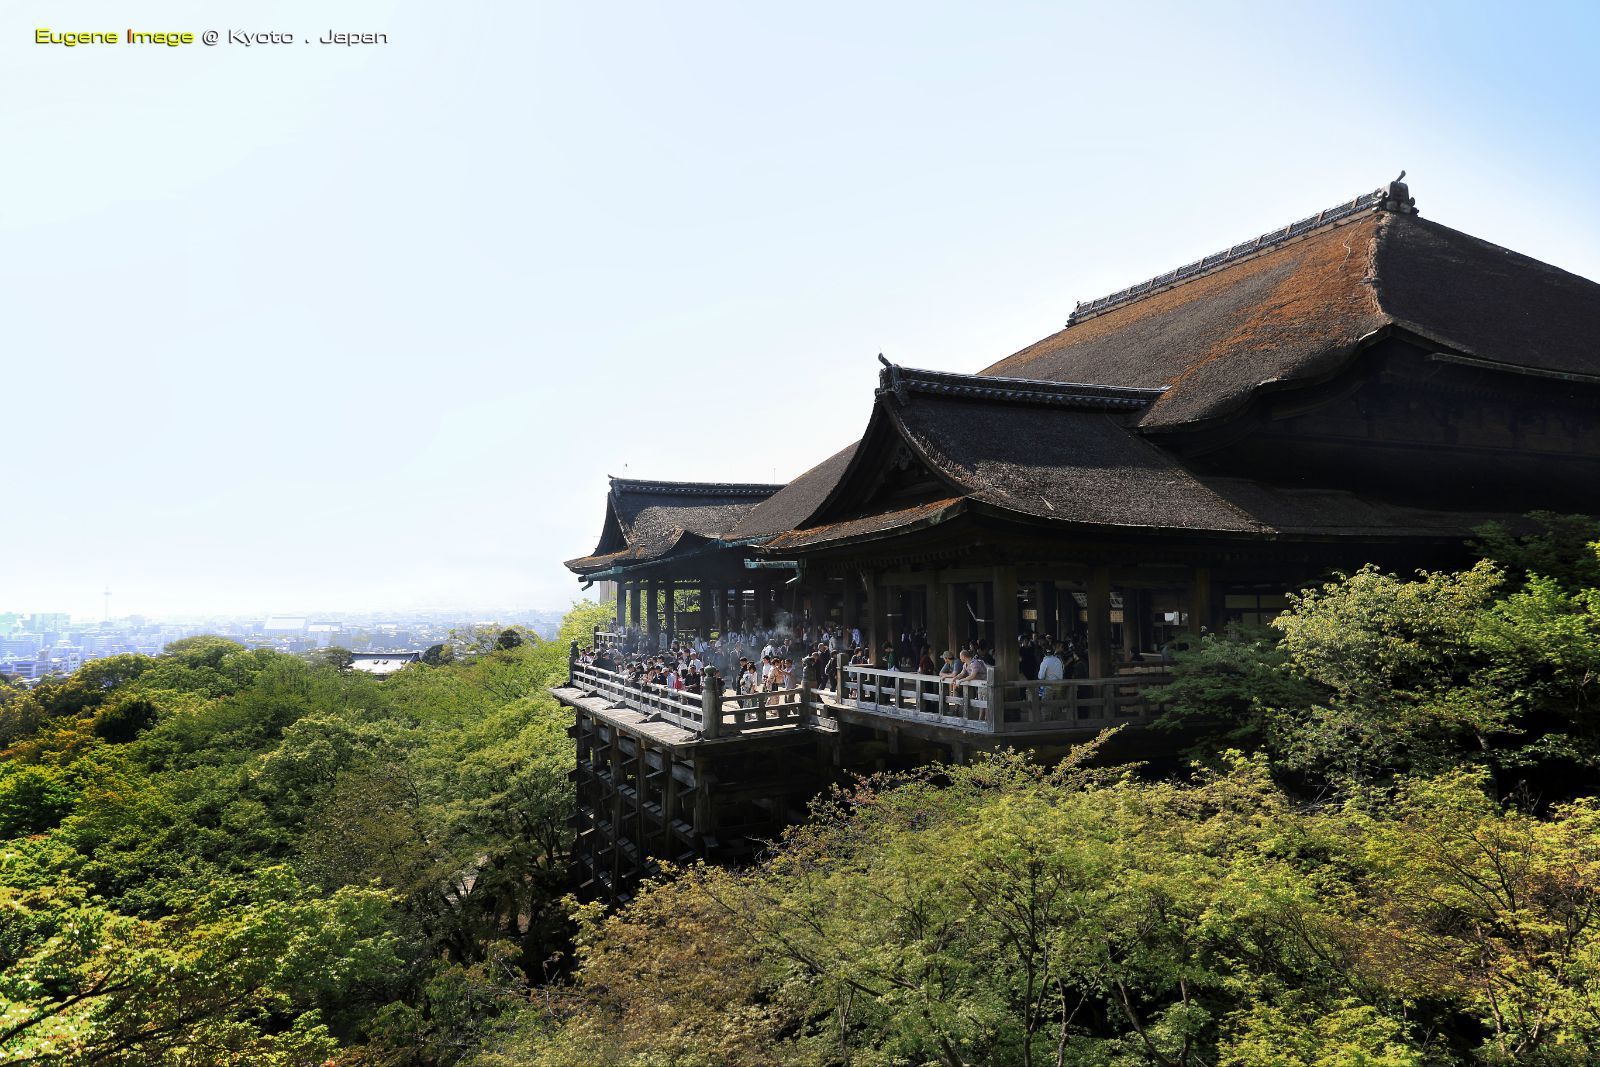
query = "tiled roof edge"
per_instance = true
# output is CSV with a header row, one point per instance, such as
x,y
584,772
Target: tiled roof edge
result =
x,y
1393,197
693,488
903,382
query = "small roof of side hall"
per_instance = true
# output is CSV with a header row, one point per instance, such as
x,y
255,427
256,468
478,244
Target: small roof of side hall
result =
x,y
1297,304
649,520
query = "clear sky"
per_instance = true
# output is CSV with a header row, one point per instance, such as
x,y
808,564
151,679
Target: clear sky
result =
x,y
302,327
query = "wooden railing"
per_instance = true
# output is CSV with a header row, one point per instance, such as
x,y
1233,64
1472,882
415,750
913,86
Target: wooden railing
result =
x,y
919,697
1001,707
739,712
992,707
1078,703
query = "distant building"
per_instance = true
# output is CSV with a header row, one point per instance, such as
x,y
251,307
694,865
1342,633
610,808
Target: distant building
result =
x,y
383,664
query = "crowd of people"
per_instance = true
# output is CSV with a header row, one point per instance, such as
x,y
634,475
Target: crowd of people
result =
x,y
773,660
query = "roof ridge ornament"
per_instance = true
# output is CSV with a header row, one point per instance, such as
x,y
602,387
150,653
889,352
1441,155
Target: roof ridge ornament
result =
x,y
889,380
1396,197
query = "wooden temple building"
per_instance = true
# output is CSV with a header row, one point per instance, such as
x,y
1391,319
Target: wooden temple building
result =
x,y
1363,385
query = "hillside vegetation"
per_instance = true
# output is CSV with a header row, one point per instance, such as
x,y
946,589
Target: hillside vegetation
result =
x,y
1383,850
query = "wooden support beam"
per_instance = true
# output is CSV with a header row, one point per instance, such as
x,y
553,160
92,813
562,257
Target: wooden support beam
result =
x,y
872,632
1099,622
938,617
955,609
851,617
1007,623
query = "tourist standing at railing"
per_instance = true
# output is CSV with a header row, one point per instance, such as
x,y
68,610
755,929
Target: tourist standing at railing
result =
x,y
747,678
973,668
1053,668
947,667
925,664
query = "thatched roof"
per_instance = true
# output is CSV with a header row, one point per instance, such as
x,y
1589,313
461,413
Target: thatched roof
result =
x,y
1301,308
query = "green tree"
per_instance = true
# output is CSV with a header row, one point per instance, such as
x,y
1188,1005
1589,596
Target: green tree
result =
x,y
1558,547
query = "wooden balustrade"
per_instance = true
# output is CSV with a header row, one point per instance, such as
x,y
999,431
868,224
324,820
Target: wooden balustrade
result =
x,y
1077,703
1008,707
740,711
1001,706
919,697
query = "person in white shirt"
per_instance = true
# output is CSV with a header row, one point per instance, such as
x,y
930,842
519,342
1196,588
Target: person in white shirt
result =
x,y
1053,667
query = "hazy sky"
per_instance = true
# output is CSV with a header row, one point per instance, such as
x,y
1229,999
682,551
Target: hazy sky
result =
x,y
300,328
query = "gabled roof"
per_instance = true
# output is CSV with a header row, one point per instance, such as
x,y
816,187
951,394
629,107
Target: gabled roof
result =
x,y
1032,453
1298,304
797,501
648,520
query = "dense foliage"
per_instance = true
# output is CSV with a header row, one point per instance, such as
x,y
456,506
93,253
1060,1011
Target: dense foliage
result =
x,y
1011,915
1404,870
219,855
1382,849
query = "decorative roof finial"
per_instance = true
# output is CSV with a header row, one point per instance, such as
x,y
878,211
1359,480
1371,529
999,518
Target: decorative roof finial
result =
x,y
889,379
1398,198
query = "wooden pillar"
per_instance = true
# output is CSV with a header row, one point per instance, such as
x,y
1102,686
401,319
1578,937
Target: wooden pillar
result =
x,y
705,612
669,805
738,609
938,617
872,632
1049,618
1099,622
633,604
669,607
652,616
702,817
850,611
955,608
622,604
1007,623
1199,599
